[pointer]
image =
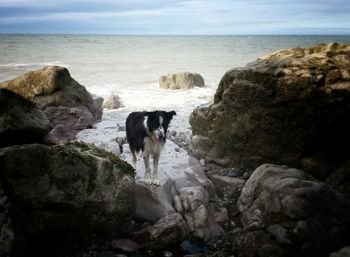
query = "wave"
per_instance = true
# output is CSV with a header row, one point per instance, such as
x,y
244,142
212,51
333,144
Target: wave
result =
x,y
33,64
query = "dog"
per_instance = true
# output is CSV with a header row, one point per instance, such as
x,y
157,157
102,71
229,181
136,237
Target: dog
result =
x,y
146,132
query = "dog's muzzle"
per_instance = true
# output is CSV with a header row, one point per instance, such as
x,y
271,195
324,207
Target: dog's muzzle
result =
x,y
160,135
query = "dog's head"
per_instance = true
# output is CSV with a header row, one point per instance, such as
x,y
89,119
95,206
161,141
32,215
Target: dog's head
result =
x,y
157,123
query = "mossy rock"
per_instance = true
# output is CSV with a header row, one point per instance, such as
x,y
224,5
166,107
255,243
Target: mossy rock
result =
x,y
65,195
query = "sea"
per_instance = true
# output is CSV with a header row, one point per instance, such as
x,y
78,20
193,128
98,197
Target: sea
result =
x,y
130,66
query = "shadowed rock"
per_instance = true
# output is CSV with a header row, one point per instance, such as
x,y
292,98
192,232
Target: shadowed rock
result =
x,y
300,214
63,195
21,121
291,107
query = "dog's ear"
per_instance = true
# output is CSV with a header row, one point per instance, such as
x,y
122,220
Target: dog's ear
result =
x,y
170,114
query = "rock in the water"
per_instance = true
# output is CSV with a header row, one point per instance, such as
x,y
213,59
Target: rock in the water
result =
x,y
181,80
53,87
304,215
164,233
64,194
21,121
280,109
111,101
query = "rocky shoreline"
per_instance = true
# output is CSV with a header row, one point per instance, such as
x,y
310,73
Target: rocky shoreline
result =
x,y
66,188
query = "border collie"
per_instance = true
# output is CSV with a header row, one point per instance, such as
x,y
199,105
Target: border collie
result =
x,y
146,131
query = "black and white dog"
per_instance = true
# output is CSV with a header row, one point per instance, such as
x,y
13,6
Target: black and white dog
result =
x,y
146,131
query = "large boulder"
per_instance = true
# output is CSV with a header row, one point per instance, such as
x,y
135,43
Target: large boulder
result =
x,y
21,121
181,80
53,87
291,107
63,195
286,209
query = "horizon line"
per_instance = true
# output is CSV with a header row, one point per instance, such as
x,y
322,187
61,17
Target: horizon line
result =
x,y
116,34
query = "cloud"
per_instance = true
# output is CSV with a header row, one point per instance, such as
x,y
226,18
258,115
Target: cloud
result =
x,y
175,17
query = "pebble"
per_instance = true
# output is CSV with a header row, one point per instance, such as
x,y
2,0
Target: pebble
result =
x,y
167,254
202,162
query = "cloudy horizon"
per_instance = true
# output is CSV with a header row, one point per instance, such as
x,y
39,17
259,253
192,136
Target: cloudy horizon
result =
x,y
178,17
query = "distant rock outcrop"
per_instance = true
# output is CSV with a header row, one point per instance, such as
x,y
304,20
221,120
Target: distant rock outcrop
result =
x,y
290,107
53,87
286,212
181,80
63,195
21,121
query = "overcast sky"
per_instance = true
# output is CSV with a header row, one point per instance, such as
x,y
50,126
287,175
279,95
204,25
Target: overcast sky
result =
x,y
178,17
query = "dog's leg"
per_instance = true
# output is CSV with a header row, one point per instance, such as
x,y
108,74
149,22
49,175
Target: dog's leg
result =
x,y
155,169
148,180
134,159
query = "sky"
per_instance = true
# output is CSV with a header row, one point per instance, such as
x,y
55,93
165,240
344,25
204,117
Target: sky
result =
x,y
176,17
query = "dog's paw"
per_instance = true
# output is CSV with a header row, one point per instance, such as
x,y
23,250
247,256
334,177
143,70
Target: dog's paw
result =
x,y
156,182
148,181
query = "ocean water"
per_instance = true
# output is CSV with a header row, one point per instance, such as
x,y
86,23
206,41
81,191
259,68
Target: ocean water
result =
x,y
130,66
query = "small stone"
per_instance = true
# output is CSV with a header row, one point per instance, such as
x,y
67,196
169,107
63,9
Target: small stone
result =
x,y
245,176
124,244
236,172
202,162
167,254
177,149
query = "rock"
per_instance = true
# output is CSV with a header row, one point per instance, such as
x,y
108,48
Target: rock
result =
x,y
71,119
125,245
229,190
164,233
181,80
344,252
63,195
21,121
339,179
6,239
53,87
167,254
259,244
280,109
297,211
111,101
